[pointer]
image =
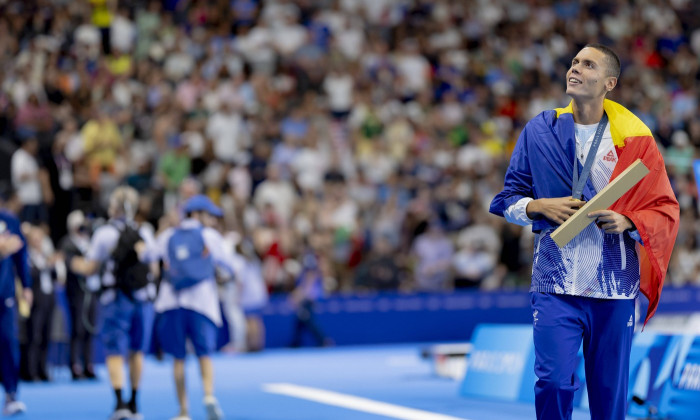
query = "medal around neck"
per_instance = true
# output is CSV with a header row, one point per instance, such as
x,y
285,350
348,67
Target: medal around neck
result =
x,y
604,199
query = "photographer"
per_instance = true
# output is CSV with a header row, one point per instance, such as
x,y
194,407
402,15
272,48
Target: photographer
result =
x,y
82,302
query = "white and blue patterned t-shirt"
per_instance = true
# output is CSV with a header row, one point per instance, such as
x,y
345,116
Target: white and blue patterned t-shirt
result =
x,y
594,264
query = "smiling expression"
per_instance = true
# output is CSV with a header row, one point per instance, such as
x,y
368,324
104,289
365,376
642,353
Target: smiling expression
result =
x,y
588,77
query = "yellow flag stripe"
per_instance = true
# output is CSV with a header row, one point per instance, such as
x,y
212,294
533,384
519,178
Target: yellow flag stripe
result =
x,y
623,123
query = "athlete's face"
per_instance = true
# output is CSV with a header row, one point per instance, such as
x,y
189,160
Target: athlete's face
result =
x,y
588,77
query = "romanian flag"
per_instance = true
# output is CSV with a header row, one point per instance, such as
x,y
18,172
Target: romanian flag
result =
x,y
651,204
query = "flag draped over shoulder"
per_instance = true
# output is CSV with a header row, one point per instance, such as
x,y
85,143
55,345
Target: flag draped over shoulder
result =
x,y
651,204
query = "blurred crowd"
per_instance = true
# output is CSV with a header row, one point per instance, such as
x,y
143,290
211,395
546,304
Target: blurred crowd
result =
x,y
372,132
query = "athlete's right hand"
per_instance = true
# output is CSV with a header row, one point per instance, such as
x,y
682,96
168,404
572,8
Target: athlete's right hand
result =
x,y
9,244
557,210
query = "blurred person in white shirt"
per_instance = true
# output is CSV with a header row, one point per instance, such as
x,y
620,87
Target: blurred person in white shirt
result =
x,y
30,181
413,68
122,31
276,192
338,85
188,301
228,132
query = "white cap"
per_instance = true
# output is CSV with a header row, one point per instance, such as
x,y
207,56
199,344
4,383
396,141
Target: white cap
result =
x,y
76,218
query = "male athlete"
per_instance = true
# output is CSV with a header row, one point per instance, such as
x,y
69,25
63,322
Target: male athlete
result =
x,y
585,291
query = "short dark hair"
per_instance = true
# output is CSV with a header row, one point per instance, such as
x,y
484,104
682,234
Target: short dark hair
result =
x,y
613,61
7,191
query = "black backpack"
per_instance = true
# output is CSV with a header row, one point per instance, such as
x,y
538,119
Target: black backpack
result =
x,y
130,273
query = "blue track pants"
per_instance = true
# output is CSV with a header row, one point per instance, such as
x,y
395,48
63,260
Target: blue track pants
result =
x,y
561,323
9,345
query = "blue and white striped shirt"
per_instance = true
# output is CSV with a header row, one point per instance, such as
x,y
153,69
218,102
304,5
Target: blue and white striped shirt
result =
x,y
594,264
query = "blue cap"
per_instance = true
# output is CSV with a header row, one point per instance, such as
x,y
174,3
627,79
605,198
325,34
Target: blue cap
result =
x,y
201,202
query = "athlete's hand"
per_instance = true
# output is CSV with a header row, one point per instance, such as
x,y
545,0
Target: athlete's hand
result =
x,y
610,221
28,296
9,244
557,210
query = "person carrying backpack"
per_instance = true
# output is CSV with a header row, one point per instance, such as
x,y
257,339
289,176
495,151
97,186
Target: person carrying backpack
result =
x,y
127,292
187,302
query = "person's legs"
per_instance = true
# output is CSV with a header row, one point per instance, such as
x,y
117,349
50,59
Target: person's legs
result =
x,y
206,370
180,386
256,333
115,368
607,344
31,357
211,404
170,330
135,370
115,330
90,317
300,320
557,332
45,338
75,307
137,340
202,333
312,324
38,333
9,362
235,316
305,321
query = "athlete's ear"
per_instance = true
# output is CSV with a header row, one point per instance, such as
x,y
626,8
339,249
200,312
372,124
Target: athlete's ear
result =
x,y
610,83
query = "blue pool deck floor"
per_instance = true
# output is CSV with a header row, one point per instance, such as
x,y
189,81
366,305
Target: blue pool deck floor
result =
x,y
340,383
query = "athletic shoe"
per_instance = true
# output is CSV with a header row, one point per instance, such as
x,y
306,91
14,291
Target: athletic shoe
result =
x,y
213,410
89,374
135,415
13,407
122,413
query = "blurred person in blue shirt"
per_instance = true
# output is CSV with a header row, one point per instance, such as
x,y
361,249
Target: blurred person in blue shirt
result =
x,y
13,262
188,301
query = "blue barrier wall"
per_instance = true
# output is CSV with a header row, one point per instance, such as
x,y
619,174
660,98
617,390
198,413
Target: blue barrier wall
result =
x,y
396,318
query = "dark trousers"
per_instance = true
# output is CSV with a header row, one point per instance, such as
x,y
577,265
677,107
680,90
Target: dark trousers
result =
x,y
39,334
305,321
605,327
83,310
9,345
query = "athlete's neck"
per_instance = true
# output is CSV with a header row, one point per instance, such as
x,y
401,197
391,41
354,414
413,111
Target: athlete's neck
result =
x,y
588,112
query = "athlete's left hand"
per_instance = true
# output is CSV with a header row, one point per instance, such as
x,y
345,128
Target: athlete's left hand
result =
x,y
611,222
